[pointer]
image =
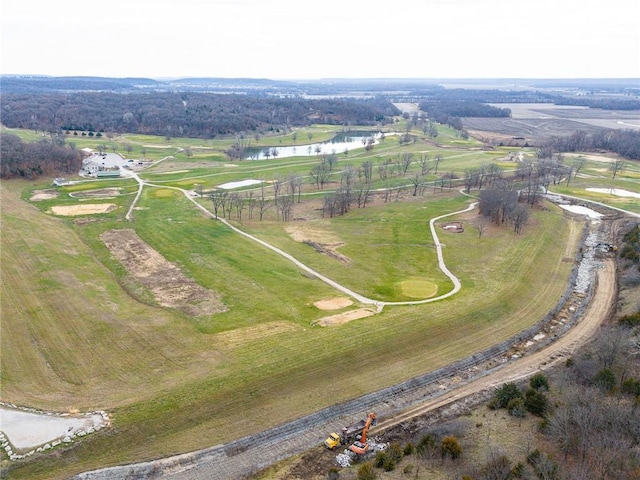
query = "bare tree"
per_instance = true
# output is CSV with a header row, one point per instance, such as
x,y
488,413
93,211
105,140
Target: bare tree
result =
x,y
284,204
425,164
251,203
236,201
320,174
363,194
367,170
293,185
277,186
406,159
263,205
417,181
470,179
578,164
437,161
615,167
218,198
481,224
332,160
519,216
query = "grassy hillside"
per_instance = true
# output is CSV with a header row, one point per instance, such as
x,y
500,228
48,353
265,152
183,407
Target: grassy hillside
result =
x,y
78,333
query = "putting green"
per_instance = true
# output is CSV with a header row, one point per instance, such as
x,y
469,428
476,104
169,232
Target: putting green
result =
x,y
418,288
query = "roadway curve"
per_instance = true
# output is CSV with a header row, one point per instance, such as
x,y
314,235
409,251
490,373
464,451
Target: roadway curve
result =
x,y
360,298
238,459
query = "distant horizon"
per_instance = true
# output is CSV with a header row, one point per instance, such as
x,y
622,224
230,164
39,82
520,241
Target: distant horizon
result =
x,y
300,79
411,39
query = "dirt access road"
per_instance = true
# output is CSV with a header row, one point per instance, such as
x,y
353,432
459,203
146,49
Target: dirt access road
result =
x,y
243,457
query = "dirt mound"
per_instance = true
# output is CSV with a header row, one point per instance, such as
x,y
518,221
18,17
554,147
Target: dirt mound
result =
x,y
335,303
328,249
169,286
319,237
341,318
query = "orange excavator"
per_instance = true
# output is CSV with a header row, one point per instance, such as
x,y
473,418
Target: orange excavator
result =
x,y
360,447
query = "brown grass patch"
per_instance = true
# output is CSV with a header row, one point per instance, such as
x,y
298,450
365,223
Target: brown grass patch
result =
x,y
88,209
98,193
169,286
242,336
318,237
39,195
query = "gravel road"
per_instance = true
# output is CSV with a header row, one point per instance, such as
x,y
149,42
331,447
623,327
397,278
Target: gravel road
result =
x,y
248,455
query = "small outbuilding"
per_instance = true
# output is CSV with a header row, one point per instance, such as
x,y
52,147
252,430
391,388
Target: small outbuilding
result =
x,y
108,174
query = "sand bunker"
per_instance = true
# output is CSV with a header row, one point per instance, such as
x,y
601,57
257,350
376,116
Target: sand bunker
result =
x,y
88,209
335,303
346,317
455,227
39,195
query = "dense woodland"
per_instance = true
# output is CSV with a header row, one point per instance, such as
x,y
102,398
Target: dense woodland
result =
x,y
30,160
623,142
196,115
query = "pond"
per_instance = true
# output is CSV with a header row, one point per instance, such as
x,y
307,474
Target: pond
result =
x,y
581,210
341,143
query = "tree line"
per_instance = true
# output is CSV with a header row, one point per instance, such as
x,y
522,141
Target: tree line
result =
x,y
624,142
196,115
30,160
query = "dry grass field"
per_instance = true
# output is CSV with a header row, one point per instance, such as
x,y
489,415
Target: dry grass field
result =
x,y
82,330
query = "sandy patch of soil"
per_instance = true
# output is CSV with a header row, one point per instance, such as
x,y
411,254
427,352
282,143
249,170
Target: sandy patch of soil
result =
x,y
88,209
39,195
453,227
346,317
169,286
335,303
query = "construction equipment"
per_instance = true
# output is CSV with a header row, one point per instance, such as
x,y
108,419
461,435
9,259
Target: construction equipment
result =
x,y
347,434
360,447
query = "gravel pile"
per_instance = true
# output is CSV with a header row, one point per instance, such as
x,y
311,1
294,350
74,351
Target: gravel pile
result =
x,y
348,457
588,264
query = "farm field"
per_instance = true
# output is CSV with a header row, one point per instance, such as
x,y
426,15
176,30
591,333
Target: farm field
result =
x,y
233,345
534,122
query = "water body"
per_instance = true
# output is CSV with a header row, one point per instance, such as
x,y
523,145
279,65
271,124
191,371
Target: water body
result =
x,y
341,143
580,210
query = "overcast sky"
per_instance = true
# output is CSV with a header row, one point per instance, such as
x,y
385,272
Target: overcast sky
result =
x,y
296,39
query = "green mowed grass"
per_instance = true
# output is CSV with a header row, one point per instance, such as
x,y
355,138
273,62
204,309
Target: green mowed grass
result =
x,y
175,383
77,333
385,244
